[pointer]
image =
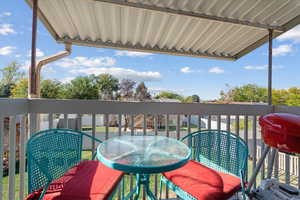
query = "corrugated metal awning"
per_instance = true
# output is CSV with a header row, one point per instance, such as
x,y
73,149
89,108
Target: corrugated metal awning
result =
x,y
222,29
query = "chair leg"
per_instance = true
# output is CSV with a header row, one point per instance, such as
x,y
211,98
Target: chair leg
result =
x,y
44,191
160,189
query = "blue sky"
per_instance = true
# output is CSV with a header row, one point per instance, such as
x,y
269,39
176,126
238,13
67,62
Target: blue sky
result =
x,y
183,75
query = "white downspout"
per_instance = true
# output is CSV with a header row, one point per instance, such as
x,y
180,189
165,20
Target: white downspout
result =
x,y
48,60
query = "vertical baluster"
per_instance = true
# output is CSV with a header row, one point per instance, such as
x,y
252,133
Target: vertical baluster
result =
x,y
167,125
12,157
228,123
1,153
189,124
228,141
209,122
120,124
132,124
168,134
66,124
106,118
237,125
199,123
119,133
93,132
144,124
219,122
246,136
50,120
178,127
32,123
80,121
254,145
276,171
132,133
287,169
155,176
22,157
144,133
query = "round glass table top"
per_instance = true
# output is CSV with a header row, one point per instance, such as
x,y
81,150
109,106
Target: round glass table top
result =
x,y
143,154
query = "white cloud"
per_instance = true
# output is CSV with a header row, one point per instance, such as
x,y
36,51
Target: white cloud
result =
x,y
262,67
121,73
6,29
282,50
293,35
39,53
86,62
4,51
216,70
186,70
67,79
7,14
132,53
258,67
18,55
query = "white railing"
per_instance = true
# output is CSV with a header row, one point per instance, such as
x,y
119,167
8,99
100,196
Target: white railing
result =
x,y
106,119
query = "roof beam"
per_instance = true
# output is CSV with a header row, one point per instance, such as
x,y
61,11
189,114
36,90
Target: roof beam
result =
x,y
126,3
44,20
288,26
140,48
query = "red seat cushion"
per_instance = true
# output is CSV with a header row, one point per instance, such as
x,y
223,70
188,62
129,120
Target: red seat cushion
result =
x,y
204,183
89,180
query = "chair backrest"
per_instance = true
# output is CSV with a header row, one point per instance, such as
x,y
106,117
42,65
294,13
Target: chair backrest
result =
x,y
219,150
50,154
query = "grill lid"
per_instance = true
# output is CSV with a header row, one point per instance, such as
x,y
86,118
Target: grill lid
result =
x,y
281,131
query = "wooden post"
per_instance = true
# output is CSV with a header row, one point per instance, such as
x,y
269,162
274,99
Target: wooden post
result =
x,y
271,157
270,67
32,71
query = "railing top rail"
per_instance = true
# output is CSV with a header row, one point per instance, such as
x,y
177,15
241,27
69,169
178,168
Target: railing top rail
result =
x,y
116,107
22,106
13,106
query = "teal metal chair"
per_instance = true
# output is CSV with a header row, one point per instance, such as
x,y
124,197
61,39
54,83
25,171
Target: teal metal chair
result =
x,y
217,169
51,153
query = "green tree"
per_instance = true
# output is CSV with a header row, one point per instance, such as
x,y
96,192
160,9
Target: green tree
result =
x,y
169,95
192,99
82,87
126,89
20,89
11,74
196,98
5,90
107,85
51,89
127,93
279,97
293,98
141,92
188,99
245,93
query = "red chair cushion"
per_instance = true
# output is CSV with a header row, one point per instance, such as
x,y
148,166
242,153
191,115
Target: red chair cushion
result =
x,y
204,183
89,180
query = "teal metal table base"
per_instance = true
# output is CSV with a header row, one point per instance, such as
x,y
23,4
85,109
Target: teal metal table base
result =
x,y
141,179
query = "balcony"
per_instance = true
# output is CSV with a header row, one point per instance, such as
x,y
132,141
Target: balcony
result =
x,y
105,119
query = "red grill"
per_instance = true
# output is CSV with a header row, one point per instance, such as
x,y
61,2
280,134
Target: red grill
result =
x,y
281,131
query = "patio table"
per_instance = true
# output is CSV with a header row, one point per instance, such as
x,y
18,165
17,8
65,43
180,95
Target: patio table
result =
x,y
142,156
